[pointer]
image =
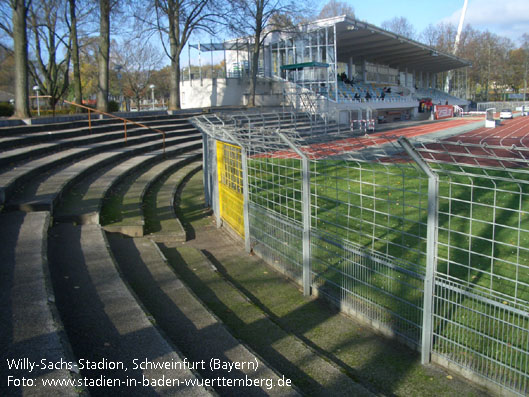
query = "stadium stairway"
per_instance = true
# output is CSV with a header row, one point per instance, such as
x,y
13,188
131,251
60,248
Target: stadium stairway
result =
x,y
303,123
39,144
31,330
22,169
132,222
154,274
163,225
103,322
109,298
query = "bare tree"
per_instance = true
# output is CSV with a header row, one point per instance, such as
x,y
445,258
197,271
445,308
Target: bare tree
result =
x,y
175,21
430,35
336,8
493,60
400,26
139,61
50,37
256,19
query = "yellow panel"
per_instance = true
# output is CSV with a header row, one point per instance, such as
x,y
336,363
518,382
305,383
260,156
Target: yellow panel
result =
x,y
229,167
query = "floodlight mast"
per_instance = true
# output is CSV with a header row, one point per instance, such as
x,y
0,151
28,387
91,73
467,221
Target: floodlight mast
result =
x,y
456,44
460,27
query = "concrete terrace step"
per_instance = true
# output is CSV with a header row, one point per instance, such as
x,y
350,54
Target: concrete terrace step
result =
x,y
166,227
104,322
43,195
82,203
288,353
11,178
133,222
29,330
30,149
186,321
301,122
95,122
24,139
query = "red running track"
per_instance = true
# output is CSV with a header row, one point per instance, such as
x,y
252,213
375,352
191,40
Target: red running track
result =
x,y
510,132
321,150
505,146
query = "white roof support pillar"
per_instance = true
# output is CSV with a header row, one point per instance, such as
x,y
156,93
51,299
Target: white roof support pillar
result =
x,y
350,68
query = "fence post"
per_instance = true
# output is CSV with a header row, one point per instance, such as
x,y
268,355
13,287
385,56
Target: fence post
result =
x,y
246,200
306,213
215,184
205,168
431,249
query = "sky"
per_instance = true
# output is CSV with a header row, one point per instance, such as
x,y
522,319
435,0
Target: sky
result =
x,y
508,18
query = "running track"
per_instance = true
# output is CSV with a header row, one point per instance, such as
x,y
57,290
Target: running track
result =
x,y
481,147
321,150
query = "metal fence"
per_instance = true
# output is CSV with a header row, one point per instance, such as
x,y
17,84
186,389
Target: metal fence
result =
x,y
426,241
513,105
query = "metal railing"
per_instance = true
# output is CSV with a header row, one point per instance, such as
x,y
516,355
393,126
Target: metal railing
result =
x,y
425,240
125,121
513,105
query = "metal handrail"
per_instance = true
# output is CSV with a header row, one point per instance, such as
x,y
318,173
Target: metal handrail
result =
x,y
125,121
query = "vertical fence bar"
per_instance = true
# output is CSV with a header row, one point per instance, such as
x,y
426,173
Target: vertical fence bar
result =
x,y
306,226
246,200
205,168
431,249
215,187
305,195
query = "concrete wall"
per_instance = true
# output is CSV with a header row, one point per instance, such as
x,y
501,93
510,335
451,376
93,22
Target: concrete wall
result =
x,y
228,92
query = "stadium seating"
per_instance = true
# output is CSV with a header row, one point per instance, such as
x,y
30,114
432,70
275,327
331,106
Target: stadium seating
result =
x,y
347,92
42,168
63,187
437,96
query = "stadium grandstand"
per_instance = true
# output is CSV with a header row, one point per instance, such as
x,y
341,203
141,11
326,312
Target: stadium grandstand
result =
x,y
337,66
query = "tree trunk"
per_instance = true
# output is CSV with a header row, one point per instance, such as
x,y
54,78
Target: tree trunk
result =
x,y
103,55
174,73
21,59
174,95
255,52
254,70
75,57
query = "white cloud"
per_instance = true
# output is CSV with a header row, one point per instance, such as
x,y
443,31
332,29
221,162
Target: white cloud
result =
x,y
508,18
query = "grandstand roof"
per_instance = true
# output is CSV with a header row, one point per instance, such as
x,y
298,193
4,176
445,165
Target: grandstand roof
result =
x,y
362,40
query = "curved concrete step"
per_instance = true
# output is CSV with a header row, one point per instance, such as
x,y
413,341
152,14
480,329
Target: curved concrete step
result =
x,y
189,325
29,149
288,353
82,203
104,322
30,334
132,221
19,173
24,129
13,156
42,195
165,227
